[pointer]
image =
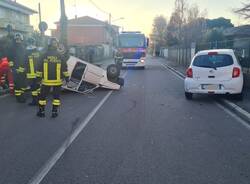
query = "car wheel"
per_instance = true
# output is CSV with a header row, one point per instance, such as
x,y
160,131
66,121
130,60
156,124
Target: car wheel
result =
x,y
189,96
113,72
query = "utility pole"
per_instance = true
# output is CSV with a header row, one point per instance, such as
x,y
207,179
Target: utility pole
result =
x,y
40,13
110,17
63,25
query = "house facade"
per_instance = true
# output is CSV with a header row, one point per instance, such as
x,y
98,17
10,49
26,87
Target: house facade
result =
x,y
86,30
15,15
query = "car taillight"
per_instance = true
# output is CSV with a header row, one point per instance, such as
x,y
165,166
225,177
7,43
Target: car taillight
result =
x,y
236,72
189,73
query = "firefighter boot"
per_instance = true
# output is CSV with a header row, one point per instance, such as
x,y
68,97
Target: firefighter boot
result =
x,y
41,112
34,101
54,111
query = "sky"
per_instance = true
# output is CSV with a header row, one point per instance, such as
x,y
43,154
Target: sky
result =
x,y
138,14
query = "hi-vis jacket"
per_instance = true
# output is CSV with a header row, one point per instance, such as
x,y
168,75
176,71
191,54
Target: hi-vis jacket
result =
x,y
31,63
52,68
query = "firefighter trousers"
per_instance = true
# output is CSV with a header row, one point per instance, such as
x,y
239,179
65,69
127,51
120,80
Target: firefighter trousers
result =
x,y
20,83
45,90
34,86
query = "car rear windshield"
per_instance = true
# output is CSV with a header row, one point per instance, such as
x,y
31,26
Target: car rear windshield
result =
x,y
213,61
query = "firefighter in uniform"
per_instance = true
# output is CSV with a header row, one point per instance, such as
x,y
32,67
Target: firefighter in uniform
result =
x,y
17,57
52,69
31,64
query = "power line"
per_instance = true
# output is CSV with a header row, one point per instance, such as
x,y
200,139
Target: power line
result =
x,y
97,7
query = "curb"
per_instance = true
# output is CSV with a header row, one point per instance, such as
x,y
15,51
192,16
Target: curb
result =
x,y
237,110
230,105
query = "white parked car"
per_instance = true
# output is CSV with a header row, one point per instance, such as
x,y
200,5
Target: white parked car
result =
x,y
214,72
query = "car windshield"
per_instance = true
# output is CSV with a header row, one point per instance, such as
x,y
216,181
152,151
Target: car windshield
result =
x,y
213,61
131,41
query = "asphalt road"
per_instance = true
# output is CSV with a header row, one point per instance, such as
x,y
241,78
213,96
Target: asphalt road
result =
x,y
146,133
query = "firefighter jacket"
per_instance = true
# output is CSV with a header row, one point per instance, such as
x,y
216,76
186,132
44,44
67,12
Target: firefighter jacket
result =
x,y
31,63
52,68
18,57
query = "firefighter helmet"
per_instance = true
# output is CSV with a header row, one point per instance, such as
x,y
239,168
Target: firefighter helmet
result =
x,y
51,40
18,36
31,41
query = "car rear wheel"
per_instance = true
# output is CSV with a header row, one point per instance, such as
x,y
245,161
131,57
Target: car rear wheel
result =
x,y
189,96
113,72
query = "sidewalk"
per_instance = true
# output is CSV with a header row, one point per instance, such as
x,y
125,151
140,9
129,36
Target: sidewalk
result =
x,y
245,104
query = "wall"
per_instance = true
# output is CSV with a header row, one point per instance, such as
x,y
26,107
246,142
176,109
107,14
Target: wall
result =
x,y
19,21
89,35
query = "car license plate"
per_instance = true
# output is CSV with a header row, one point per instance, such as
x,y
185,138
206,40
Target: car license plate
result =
x,y
211,87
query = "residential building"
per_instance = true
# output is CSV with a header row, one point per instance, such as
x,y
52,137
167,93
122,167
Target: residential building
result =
x,y
88,31
16,15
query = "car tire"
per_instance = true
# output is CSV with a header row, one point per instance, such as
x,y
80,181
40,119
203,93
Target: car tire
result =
x,y
113,72
189,96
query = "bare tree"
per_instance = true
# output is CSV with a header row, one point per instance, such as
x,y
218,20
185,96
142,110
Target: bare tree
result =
x,y
158,31
244,11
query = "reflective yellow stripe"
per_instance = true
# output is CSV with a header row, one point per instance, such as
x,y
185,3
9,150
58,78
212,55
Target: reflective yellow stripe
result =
x,y
32,69
45,71
20,69
34,93
39,74
66,74
18,92
11,63
42,102
52,83
58,71
31,76
56,102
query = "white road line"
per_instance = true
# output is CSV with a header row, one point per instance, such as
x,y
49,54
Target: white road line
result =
x,y
172,71
41,174
243,122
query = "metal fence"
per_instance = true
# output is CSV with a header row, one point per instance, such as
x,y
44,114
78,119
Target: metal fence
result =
x,y
180,55
183,56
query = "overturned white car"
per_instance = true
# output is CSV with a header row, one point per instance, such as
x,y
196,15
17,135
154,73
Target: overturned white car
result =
x,y
86,77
